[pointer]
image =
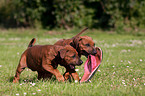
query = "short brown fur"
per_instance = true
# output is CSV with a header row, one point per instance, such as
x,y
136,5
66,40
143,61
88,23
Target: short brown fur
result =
x,y
45,59
84,46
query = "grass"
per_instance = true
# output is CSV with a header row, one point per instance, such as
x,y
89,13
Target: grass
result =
x,y
122,71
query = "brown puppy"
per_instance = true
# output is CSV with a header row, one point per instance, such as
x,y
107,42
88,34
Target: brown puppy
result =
x,y
84,46
45,58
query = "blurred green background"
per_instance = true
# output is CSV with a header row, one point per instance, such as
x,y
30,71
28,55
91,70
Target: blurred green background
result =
x,y
120,15
116,26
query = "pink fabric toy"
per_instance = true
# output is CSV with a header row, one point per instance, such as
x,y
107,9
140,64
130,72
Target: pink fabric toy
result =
x,y
91,65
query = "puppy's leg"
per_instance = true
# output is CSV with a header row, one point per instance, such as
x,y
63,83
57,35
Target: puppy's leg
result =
x,y
71,73
44,75
55,72
47,75
40,75
75,76
66,75
22,65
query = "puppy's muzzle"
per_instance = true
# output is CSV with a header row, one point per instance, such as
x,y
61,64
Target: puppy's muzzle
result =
x,y
94,52
80,62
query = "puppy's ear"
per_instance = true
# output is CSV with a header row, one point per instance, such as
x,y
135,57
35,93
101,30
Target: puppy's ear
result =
x,y
99,53
52,54
76,42
62,53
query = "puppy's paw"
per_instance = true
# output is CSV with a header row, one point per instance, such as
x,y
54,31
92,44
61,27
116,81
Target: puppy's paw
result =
x,y
15,80
61,79
66,75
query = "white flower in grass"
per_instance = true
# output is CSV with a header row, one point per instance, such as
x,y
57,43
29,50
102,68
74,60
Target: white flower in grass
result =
x,y
33,84
144,83
113,45
113,72
127,66
0,65
90,81
18,53
113,66
99,70
38,90
129,62
123,80
81,73
20,84
33,93
125,85
140,60
76,81
25,93
76,69
134,79
131,69
129,50
17,94
124,50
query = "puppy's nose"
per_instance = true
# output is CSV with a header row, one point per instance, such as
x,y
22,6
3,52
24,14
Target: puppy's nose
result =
x,y
81,62
94,51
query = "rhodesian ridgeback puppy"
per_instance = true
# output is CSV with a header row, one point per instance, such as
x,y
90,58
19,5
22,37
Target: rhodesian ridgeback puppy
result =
x,y
45,59
84,45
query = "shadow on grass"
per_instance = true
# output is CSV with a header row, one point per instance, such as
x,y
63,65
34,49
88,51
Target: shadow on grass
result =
x,y
11,79
34,79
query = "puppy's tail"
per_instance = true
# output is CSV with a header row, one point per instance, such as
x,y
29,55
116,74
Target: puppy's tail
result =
x,y
80,33
32,42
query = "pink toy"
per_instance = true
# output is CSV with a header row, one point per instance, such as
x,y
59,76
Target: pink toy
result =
x,y
91,65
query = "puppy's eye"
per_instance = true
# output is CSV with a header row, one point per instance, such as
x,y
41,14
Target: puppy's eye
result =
x,y
87,45
73,56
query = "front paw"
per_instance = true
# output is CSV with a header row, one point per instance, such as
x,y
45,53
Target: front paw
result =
x,y
15,80
66,75
60,79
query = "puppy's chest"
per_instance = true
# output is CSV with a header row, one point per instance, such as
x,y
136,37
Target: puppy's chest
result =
x,y
55,63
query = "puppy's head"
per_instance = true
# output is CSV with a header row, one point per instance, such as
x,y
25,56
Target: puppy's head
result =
x,y
70,56
85,45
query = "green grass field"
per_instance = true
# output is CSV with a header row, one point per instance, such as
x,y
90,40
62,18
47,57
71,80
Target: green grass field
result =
x,y
122,71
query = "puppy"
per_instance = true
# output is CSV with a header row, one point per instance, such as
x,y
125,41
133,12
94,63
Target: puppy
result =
x,y
45,59
84,45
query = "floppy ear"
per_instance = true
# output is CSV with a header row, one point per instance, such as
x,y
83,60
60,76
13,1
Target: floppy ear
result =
x,y
67,42
76,42
99,54
62,53
52,54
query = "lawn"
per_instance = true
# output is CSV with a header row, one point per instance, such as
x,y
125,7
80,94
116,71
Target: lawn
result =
x,y
122,71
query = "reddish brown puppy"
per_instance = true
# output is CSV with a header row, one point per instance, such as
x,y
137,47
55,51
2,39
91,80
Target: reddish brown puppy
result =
x,y
84,46
45,59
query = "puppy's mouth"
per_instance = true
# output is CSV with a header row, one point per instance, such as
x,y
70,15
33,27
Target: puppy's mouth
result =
x,y
72,66
86,54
